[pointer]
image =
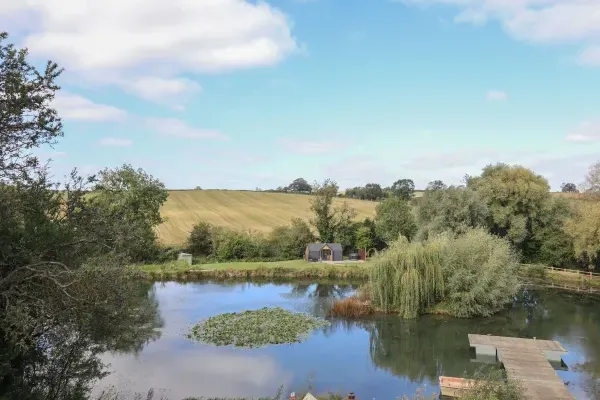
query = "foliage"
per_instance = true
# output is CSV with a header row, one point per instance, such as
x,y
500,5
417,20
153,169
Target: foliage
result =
x,y
568,187
403,189
591,186
584,229
283,243
27,120
256,328
299,185
200,241
344,227
322,206
332,224
408,278
237,245
494,385
480,274
364,237
394,218
289,242
371,191
550,244
454,209
436,185
516,197
65,296
130,199
473,274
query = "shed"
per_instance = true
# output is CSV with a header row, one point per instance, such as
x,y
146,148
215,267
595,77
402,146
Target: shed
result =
x,y
323,252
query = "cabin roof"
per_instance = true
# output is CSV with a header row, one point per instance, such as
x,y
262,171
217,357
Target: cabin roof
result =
x,y
318,246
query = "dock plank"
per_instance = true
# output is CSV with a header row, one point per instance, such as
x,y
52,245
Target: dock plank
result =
x,y
525,361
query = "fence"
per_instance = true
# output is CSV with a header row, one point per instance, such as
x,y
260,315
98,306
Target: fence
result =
x,y
569,279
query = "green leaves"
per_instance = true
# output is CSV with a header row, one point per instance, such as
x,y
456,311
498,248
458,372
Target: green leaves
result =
x,y
394,218
256,328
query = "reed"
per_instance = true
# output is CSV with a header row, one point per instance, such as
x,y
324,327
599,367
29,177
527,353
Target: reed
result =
x,y
351,307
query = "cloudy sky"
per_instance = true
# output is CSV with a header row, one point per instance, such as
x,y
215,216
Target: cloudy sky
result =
x,y
245,94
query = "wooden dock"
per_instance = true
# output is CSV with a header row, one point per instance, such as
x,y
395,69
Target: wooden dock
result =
x,y
528,361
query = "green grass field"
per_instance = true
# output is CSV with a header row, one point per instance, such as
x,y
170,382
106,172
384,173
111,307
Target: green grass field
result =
x,y
295,269
241,210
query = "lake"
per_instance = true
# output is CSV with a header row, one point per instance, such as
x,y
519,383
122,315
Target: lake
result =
x,y
380,358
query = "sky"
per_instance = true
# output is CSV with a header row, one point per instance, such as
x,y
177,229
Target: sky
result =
x,y
243,94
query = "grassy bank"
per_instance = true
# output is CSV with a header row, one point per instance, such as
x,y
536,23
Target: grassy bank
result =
x,y
295,269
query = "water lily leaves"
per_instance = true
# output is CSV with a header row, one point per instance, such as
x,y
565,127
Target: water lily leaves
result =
x,y
256,328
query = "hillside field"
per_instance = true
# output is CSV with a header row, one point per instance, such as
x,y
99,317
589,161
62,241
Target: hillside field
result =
x,y
241,210
244,210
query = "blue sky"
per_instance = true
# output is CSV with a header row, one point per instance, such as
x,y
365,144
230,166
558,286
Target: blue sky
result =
x,y
243,94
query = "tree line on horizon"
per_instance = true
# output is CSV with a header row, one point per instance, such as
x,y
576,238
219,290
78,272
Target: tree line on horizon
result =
x,y
403,188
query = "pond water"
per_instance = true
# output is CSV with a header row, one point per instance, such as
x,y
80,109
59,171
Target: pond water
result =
x,y
379,358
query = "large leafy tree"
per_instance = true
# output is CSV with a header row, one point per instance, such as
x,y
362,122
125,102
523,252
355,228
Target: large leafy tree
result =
x,y
321,204
26,119
65,296
436,185
403,189
591,185
584,228
568,187
455,209
299,185
516,198
332,223
394,218
130,200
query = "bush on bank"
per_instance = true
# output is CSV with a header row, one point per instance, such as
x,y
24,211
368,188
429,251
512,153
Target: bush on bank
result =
x,y
474,274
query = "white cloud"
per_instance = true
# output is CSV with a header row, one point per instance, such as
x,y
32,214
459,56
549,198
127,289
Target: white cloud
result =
x,y
115,142
177,128
496,95
75,107
308,147
590,56
107,37
534,21
587,131
174,91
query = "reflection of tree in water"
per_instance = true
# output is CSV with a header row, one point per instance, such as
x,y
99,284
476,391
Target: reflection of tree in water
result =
x,y
316,298
429,346
65,359
420,349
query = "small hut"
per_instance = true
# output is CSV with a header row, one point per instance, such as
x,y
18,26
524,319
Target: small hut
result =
x,y
323,252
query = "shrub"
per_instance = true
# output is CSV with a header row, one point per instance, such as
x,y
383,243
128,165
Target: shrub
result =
x,y
494,386
288,242
200,240
480,273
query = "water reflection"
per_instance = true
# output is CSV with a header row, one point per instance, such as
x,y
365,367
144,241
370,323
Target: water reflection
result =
x,y
65,358
380,357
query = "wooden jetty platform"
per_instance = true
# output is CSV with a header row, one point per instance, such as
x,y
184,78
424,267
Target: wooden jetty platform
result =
x,y
528,361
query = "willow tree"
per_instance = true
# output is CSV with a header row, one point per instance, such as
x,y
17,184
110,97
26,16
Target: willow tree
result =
x,y
473,274
408,277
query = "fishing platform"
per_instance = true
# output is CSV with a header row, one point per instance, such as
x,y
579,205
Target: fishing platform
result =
x,y
526,360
